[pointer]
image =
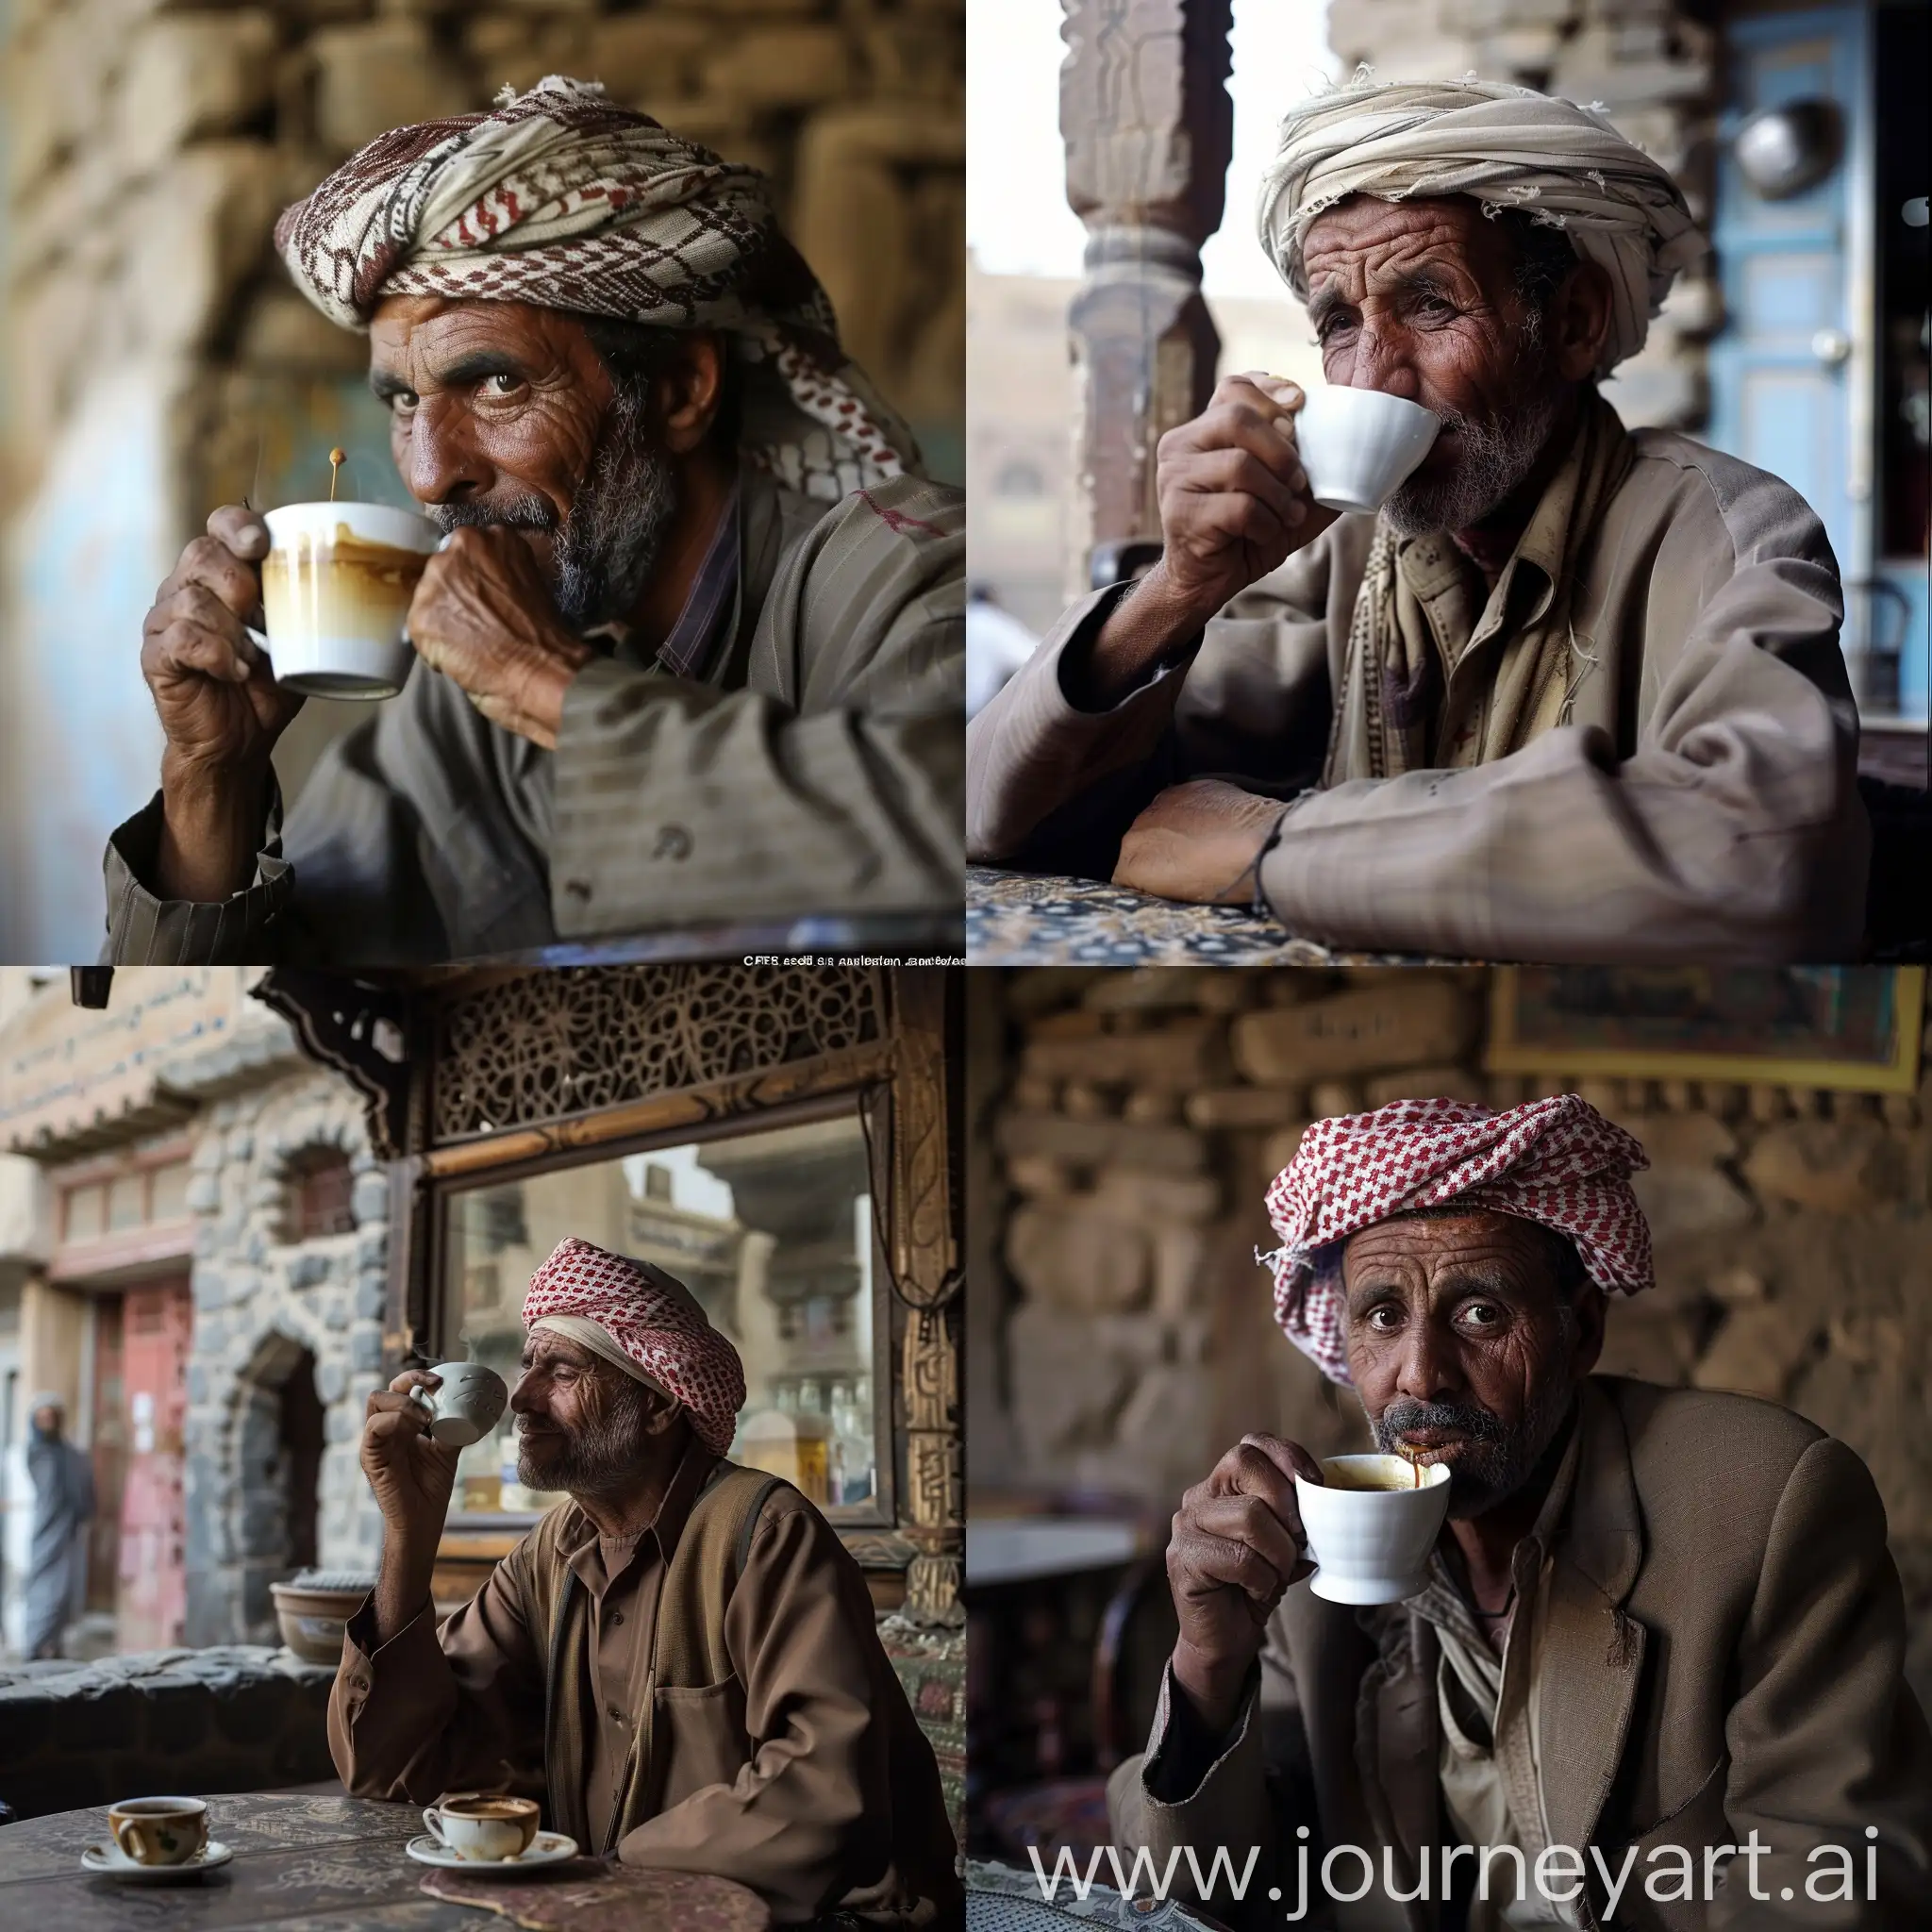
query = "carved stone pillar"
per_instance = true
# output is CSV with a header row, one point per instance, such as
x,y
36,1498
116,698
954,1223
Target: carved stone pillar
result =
x,y
1149,129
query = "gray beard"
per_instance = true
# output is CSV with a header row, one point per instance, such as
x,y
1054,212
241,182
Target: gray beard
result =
x,y
609,546
597,1459
1496,457
1495,1460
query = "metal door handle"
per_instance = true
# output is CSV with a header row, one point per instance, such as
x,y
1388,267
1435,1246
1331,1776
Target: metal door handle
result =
x,y
1832,346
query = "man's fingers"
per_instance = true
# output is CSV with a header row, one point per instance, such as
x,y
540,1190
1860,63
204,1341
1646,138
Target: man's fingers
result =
x,y
1291,1459
415,1378
184,645
1248,1520
209,562
1238,471
1205,1561
240,530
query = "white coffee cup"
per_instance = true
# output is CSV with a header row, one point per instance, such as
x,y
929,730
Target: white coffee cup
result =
x,y
478,1828
1371,1546
336,587
467,1407
1359,445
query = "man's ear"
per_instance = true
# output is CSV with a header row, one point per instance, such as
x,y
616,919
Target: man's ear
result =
x,y
664,1414
691,390
1593,1305
1579,324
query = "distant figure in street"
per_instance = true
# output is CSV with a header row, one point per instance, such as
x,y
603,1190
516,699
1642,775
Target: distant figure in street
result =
x,y
63,1504
997,644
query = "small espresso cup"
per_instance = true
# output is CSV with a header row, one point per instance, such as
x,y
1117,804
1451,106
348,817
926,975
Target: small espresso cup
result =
x,y
1370,1528
336,587
1359,445
467,1407
476,1827
158,1831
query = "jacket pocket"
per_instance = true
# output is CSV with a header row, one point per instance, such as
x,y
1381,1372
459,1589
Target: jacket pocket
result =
x,y
701,1738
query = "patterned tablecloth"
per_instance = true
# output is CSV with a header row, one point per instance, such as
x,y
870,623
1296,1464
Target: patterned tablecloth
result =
x,y
302,1864
1038,918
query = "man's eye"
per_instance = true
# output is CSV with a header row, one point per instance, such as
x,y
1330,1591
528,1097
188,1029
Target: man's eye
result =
x,y
1482,1314
1384,1321
504,384
404,401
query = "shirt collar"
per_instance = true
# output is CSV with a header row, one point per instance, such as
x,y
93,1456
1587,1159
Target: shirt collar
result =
x,y
690,644
581,1545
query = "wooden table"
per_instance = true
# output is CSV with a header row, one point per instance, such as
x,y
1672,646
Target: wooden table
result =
x,y
302,1864
1040,919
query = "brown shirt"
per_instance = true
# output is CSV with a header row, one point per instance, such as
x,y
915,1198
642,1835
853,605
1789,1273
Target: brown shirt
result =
x,y
838,1803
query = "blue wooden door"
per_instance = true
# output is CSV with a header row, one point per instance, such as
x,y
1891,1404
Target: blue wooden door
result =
x,y
1782,371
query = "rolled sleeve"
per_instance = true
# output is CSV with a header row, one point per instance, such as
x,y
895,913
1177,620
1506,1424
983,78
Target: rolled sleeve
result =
x,y
144,929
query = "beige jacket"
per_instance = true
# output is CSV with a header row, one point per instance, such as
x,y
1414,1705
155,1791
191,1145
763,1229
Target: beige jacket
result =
x,y
1722,1651
813,770
1702,806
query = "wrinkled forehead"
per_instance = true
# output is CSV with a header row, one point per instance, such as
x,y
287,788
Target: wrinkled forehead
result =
x,y
1361,234
1435,1241
540,1346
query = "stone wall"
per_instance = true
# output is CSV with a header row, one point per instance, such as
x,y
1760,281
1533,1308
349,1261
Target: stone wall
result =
x,y
238,1719
1142,1116
1650,64
266,1307
158,362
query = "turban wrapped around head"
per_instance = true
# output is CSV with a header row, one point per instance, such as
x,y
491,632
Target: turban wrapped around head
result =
x,y
1509,147
1557,1161
653,1324
562,199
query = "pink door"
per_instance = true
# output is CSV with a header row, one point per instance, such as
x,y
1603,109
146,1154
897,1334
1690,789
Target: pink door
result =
x,y
153,1597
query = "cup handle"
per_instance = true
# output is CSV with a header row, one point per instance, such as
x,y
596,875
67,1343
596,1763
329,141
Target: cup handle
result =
x,y
432,1823
121,1845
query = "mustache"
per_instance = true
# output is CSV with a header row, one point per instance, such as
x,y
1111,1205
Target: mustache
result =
x,y
1400,1417
517,513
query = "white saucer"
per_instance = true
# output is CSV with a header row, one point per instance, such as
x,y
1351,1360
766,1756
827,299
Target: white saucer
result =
x,y
110,1861
546,1848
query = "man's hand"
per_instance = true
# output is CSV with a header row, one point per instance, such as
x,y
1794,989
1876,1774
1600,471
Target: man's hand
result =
x,y
484,617
412,1475
1234,504
1200,842
1237,1545
220,707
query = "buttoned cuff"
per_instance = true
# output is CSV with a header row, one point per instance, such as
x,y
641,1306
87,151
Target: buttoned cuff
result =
x,y
402,1656
146,930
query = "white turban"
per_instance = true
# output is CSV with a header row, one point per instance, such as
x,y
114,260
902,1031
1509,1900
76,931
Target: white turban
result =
x,y
1509,147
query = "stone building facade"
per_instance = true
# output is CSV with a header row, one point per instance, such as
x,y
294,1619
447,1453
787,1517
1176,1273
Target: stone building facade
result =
x,y
228,1462
1125,1127
158,362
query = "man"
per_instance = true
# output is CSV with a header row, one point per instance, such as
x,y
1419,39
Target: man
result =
x,y
680,1660
1576,693
63,1484
1660,1626
693,651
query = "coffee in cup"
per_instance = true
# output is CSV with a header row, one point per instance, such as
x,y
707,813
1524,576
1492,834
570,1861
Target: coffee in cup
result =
x,y
158,1831
477,1828
1360,445
467,1406
1370,1528
336,587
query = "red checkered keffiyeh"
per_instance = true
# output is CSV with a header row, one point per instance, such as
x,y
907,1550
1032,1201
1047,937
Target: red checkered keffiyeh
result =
x,y
655,1320
564,199
1557,1161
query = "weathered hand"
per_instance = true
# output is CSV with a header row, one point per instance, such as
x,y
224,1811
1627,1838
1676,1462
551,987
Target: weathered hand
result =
x,y
1237,1543
220,707
483,616
1234,500
1199,841
411,1473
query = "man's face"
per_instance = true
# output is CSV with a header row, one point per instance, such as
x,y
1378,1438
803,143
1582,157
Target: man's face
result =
x,y
502,412
586,1426
1418,298
1460,1344
48,1419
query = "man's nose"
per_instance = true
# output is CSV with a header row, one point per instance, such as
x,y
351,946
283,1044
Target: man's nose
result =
x,y
523,1397
1429,1370
441,462
1382,360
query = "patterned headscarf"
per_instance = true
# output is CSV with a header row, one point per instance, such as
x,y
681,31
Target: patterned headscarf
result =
x,y
654,1319
1557,1161
562,199
1509,147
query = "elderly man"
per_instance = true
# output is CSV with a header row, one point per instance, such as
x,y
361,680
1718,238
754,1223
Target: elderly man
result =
x,y
693,651
1574,693
63,1481
1660,1626
680,1660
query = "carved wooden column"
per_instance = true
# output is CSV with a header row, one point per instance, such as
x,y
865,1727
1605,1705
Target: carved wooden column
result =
x,y
1149,129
